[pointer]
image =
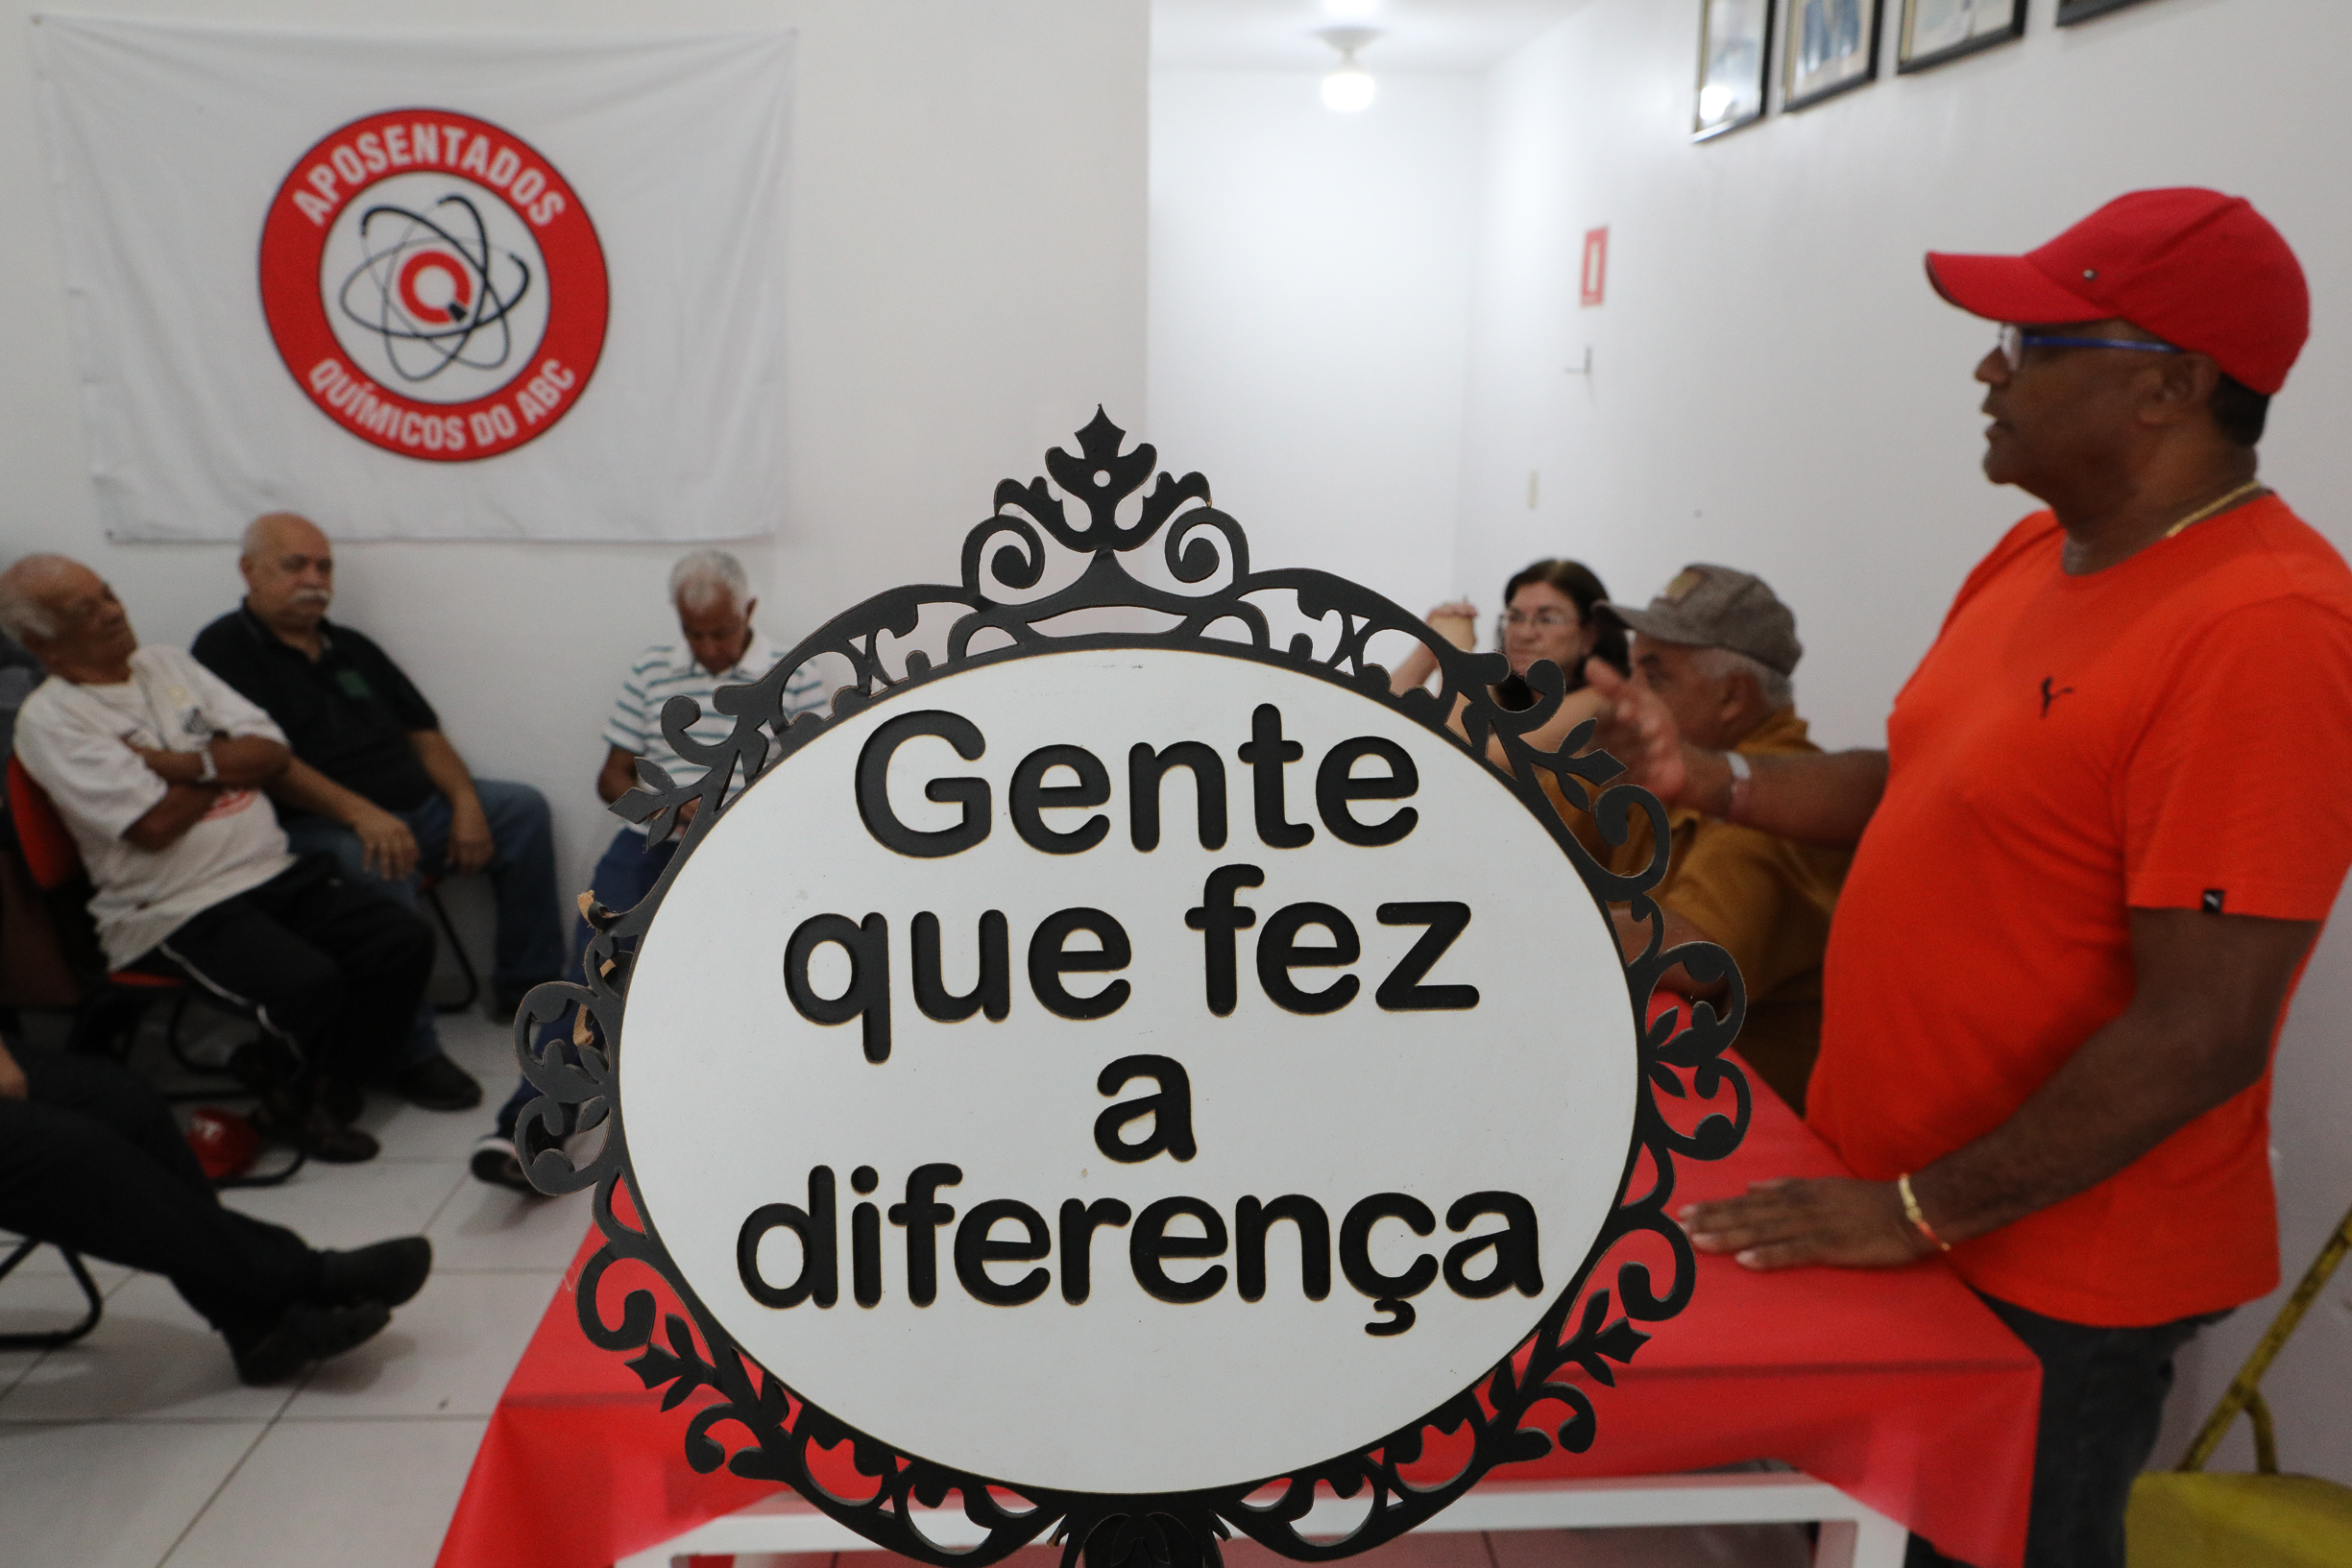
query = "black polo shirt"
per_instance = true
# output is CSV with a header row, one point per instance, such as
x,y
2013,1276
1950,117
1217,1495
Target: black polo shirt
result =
x,y
348,714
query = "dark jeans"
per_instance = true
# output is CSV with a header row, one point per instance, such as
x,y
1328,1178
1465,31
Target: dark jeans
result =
x,y
522,872
316,960
91,1161
2102,1398
623,877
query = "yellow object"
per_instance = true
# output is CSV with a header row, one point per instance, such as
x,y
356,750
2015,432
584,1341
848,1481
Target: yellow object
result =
x,y
2187,1519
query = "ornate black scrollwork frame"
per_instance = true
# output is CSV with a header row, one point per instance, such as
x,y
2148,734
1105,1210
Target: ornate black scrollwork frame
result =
x,y
1503,1410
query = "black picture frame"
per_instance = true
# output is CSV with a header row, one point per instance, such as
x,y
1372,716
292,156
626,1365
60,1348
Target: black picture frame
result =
x,y
760,1427
1906,61
1869,17
2071,12
1722,65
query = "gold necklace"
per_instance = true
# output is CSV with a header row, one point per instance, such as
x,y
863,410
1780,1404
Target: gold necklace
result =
x,y
2214,508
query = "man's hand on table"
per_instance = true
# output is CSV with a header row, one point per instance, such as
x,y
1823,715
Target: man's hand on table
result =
x,y
1796,1220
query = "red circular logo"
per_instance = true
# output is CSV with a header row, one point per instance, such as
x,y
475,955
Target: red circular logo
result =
x,y
434,284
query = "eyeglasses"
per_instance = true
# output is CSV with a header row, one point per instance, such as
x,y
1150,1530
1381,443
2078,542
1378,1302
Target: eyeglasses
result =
x,y
2015,340
1550,620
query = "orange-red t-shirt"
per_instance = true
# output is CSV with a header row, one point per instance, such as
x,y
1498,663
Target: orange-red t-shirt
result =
x,y
2175,731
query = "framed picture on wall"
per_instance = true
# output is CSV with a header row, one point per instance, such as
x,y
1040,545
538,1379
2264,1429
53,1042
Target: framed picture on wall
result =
x,y
1935,30
2070,11
1735,45
1833,46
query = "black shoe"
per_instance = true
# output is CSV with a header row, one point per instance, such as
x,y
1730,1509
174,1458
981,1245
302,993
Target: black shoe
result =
x,y
495,1161
388,1273
304,1334
343,1099
438,1084
314,1131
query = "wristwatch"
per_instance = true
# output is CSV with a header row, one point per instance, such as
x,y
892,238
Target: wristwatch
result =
x,y
207,771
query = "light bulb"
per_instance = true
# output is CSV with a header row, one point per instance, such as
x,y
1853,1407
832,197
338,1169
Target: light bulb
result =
x,y
1348,89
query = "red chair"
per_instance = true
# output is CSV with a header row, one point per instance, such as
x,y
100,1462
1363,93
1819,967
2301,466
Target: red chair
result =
x,y
108,1020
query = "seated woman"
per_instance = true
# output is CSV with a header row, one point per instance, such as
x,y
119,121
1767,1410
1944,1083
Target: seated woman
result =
x,y
1547,614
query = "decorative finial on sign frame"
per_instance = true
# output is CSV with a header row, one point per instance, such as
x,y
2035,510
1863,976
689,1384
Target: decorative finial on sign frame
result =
x,y
997,615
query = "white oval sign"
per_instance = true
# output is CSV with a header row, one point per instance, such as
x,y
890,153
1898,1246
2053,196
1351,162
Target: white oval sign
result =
x,y
1129,1071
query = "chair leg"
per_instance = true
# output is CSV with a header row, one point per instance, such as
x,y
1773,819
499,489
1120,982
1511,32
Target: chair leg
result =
x,y
465,963
54,1338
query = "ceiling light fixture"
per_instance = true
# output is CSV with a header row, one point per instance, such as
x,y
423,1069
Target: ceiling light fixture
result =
x,y
1351,88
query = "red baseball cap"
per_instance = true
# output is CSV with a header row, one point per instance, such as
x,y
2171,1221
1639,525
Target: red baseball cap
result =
x,y
2200,270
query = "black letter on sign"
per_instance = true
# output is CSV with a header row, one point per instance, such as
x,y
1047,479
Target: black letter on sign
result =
x,y
874,793
1387,1290
1077,1228
1252,1220
1048,962
866,1241
1217,918
820,1264
975,1252
868,996
1403,992
1171,1110
1335,787
1279,952
1266,751
1517,1259
1032,797
923,1214
1148,1243
1145,768
994,990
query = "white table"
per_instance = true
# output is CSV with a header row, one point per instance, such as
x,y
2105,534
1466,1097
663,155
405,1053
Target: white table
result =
x,y
1852,1536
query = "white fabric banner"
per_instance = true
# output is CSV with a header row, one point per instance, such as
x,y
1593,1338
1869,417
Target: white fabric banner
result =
x,y
452,286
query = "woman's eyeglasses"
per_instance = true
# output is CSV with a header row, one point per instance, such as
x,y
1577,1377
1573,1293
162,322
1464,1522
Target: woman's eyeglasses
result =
x,y
2015,340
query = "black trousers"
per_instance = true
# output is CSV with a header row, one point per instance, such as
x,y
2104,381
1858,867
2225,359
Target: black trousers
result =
x,y
2103,1399
331,966
93,1161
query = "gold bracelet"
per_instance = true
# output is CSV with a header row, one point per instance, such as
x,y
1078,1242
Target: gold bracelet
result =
x,y
1911,1209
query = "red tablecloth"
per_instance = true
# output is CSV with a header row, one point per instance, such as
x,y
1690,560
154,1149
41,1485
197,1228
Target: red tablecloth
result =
x,y
1897,1386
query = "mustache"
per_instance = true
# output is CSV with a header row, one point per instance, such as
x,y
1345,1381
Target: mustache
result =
x,y
312,595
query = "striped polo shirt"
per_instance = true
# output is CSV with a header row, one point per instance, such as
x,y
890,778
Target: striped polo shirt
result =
x,y
669,670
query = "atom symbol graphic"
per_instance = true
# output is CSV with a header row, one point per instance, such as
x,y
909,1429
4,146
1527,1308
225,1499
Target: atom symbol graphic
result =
x,y
431,294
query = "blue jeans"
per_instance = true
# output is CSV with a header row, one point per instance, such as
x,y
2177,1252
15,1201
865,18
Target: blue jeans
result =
x,y
521,873
622,879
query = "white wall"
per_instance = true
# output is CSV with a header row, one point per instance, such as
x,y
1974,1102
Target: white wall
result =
x,y
1775,387
965,283
1310,311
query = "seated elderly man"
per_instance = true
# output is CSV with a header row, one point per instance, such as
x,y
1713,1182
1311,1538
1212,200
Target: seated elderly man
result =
x,y
376,784
90,1160
1718,647
715,646
156,766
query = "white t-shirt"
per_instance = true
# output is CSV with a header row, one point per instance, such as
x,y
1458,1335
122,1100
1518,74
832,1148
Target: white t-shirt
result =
x,y
76,742
669,670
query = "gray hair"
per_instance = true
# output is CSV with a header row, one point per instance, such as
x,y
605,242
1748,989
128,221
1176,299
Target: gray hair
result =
x,y
1775,689
703,575
22,613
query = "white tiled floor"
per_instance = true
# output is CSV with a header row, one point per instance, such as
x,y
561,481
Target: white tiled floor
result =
x,y
138,1448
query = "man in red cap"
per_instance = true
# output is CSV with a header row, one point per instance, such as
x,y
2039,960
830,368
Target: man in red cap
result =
x,y
2091,863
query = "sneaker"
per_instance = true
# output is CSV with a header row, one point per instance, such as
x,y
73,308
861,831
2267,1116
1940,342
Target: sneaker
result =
x,y
438,1084
389,1272
307,1333
314,1131
495,1161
